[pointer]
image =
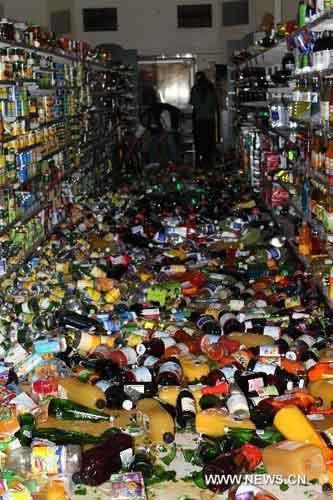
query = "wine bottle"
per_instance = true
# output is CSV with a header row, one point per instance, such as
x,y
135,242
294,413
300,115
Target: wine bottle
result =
x,y
100,462
185,408
115,396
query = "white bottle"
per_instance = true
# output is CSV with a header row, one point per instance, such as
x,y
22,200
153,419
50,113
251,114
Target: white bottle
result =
x,y
237,403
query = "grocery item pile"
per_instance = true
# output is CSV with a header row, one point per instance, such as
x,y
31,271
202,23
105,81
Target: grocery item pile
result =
x,y
165,334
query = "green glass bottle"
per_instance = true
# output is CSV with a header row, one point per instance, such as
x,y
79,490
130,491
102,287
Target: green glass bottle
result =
x,y
258,437
209,401
64,409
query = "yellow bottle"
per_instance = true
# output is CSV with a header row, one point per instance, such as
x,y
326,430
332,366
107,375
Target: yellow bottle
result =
x,y
326,355
112,296
322,389
294,426
214,421
193,369
251,339
156,421
81,393
292,457
169,394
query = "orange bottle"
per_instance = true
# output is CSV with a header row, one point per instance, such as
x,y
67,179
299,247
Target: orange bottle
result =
x,y
304,243
316,153
329,162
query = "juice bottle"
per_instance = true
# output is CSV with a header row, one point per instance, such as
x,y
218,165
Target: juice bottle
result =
x,y
293,457
330,111
294,425
329,162
158,423
322,389
316,152
81,393
304,243
214,422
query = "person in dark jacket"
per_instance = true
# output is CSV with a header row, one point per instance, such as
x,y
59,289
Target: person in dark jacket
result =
x,y
205,115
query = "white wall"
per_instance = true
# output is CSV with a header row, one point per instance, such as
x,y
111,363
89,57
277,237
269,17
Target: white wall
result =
x,y
151,25
32,11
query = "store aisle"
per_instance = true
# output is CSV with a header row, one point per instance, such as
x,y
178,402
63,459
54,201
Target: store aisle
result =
x,y
174,307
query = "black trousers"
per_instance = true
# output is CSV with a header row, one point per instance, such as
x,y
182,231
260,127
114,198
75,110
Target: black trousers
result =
x,y
205,141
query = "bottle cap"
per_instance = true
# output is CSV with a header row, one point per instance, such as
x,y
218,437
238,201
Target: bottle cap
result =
x,y
168,437
127,405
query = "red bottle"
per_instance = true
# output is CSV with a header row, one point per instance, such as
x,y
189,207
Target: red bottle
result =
x,y
100,462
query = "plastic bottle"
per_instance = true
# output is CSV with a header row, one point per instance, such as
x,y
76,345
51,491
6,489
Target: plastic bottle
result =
x,y
294,457
214,421
80,393
45,459
157,422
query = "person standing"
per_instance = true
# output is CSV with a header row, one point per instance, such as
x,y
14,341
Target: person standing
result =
x,y
205,114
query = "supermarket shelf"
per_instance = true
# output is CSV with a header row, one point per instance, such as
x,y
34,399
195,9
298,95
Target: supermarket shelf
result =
x,y
305,261
255,104
273,55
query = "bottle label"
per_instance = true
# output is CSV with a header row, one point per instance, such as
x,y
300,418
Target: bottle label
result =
x,y
150,361
307,339
309,363
103,385
265,368
269,390
170,366
142,374
87,342
229,372
226,317
25,308
208,340
143,420
128,388
50,460
269,350
130,355
168,341
29,364
237,403
290,445
255,383
242,357
272,331
188,404
126,457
